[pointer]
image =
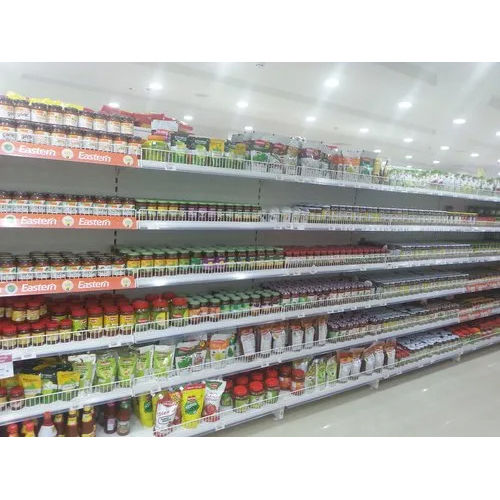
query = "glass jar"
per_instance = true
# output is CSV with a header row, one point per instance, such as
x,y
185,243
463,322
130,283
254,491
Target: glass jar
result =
x,y
55,115
257,395
86,119
104,142
118,265
104,263
159,313
24,131
75,137
90,140
115,206
111,320
38,333
88,266
70,117
272,386
41,134
6,107
24,268
3,392
141,308
134,146
78,322
100,122
126,125
58,136
180,311
70,204
65,330
120,144
7,129
54,203
16,398
33,311
285,377
9,337
194,311
57,268
52,332
298,382
22,110
113,125
241,398
18,312
23,334
127,319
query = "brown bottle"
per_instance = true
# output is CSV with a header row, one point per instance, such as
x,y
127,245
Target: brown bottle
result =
x,y
110,418
59,424
72,424
88,427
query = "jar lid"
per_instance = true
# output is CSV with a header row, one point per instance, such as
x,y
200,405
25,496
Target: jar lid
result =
x,y
298,373
241,380
257,375
126,309
110,309
272,383
140,304
256,386
160,303
53,325
16,392
240,391
179,301
65,323
94,310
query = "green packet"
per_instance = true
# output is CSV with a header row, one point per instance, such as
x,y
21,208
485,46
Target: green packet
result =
x,y
144,360
127,360
163,359
85,365
105,370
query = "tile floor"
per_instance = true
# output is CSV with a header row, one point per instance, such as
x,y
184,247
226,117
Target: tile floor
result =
x,y
449,399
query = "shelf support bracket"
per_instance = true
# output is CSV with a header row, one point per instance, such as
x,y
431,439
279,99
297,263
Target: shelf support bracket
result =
x,y
279,414
374,384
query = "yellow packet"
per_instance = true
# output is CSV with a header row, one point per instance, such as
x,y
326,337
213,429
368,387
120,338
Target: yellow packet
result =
x,y
67,385
145,410
9,382
192,404
32,385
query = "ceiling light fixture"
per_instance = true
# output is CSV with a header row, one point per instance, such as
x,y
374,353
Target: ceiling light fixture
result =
x,y
114,105
436,162
409,166
378,151
405,105
497,133
474,155
459,121
242,104
248,128
188,118
155,86
444,148
310,118
364,130
408,139
331,83
408,157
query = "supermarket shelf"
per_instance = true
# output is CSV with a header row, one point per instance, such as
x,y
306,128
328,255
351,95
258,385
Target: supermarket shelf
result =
x,y
259,174
184,279
228,324
230,418
307,226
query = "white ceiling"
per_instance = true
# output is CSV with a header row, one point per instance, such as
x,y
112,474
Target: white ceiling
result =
x,y
281,95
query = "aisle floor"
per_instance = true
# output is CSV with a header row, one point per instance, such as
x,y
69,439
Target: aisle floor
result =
x,y
449,399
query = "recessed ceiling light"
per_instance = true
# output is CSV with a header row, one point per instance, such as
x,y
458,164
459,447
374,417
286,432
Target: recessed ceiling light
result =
x,y
408,139
408,157
459,121
188,118
497,133
248,128
242,104
310,118
364,130
444,148
474,155
409,166
436,162
377,151
331,83
114,105
404,105
155,86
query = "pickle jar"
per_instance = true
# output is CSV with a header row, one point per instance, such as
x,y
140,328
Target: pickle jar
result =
x,y
241,398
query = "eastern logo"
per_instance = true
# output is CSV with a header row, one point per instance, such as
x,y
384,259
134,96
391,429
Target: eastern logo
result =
x,y
126,282
9,221
68,221
127,222
128,160
67,285
67,154
8,147
11,288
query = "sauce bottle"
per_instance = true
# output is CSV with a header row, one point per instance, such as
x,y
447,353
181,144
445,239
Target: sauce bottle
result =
x,y
123,418
72,425
59,424
12,431
47,428
88,424
110,418
30,429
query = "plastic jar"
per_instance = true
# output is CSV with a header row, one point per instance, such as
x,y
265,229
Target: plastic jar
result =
x,y
159,313
126,125
272,386
104,142
86,119
241,398
16,398
113,125
111,320
38,333
55,115
6,107
23,334
22,110
58,136
78,322
257,394
298,382
9,337
65,330
100,122
75,137
127,319
7,129
120,144
141,308
52,332
70,117
180,311
24,131
285,377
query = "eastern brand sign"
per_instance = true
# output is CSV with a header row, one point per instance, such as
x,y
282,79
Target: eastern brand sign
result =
x,y
27,150
62,221
69,285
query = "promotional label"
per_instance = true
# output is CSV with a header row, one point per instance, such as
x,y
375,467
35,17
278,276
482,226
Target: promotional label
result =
x,y
69,285
27,150
62,221
6,366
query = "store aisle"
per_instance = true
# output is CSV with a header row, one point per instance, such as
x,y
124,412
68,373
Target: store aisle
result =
x,y
449,399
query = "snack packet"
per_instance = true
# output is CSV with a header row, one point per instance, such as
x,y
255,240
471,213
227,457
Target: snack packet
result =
x,y
144,361
192,404
218,346
85,365
308,327
296,336
32,385
321,373
67,384
163,360
213,394
105,371
127,359
278,332
378,351
321,329
311,374
265,340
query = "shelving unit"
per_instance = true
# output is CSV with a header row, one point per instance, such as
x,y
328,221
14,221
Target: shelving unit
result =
x,y
250,182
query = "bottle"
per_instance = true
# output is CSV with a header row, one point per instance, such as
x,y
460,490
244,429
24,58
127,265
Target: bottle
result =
x,y
59,424
72,425
87,428
12,431
47,428
110,418
30,429
123,418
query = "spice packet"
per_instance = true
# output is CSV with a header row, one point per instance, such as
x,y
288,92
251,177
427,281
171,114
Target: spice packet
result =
x,y
390,352
345,365
127,360
185,354
368,359
356,362
192,404
296,336
310,379
67,384
248,341
378,351
85,365
331,369
144,361
308,327
32,385
163,360
321,373
321,329
278,332
105,371
49,385
213,394
265,340
218,346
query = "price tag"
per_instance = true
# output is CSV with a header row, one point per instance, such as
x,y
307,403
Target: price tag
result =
x,y
6,366
300,227
28,355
